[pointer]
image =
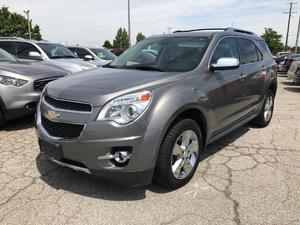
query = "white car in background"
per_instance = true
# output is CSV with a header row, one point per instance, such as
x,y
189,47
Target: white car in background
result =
x,y
98,56
45,52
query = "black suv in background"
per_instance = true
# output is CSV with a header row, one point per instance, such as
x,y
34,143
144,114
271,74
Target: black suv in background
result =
x,y
150,113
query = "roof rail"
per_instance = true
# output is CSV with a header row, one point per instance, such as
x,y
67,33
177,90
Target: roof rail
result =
x,y
12,38
230,29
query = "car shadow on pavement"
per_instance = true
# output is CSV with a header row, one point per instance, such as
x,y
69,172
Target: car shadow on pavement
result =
x,y
293,89
19,124
66,179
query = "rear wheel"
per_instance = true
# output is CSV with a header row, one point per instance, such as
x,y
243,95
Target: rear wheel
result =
x,y
179,155
266,113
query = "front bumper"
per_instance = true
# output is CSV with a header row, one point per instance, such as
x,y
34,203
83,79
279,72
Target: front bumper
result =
x,y
100,138
17,102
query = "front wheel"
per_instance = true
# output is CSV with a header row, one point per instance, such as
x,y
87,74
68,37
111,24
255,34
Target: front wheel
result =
x,y
2,119
179,155
266,113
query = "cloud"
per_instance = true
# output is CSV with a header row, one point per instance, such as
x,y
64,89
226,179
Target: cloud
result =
x,y
92,22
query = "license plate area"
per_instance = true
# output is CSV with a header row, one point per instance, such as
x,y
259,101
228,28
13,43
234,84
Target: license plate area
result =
x,y
51,150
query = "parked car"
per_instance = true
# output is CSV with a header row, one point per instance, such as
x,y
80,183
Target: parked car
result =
x,y
21,84
294,72
118,51
151,119
49,53
279,54
289,59
99,56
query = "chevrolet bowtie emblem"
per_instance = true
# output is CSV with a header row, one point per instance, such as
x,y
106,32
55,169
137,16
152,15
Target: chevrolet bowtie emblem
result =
x,y
51,115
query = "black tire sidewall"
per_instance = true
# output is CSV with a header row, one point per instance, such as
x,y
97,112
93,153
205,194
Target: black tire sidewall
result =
x,y
167,147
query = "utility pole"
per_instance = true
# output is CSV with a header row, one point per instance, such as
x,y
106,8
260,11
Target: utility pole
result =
x,y
297,38
289,21
129,29
28,21
169,29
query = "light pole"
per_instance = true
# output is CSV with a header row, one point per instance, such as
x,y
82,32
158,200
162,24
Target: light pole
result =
x,y
28,21
129,29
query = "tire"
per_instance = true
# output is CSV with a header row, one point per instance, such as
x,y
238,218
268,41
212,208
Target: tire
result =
x,y
262,120
188,158
2,119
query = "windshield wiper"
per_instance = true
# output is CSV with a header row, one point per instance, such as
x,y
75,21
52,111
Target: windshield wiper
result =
x,y
148,68
62,57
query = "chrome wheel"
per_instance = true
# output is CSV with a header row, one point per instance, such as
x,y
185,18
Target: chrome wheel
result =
x,y
268,108
185,154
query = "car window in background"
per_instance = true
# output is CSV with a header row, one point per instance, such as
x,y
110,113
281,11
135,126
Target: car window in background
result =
x,y
56,51
6,57
103,54
8,46
177,54
226,48
24,48
80,52
248,51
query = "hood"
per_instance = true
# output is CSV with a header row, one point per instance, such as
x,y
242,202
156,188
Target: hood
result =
x,y
101,85
70,65
31,69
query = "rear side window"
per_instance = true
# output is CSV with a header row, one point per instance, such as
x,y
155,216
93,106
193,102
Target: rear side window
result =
x,y
225,48
24,48
8,46
248,50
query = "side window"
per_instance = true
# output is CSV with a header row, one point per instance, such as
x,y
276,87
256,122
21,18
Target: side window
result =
x,y
260,56
24,48
226,48
81,52
248,51
8,46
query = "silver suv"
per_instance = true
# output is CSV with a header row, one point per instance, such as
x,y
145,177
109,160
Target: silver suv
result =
x,y
151,112
21,84
46,53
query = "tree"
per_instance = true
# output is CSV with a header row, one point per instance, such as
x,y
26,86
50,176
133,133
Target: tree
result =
x,y
140,37
13,24
121,40
273,40
107,44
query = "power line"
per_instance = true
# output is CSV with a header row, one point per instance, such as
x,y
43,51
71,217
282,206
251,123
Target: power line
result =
x,y
290,12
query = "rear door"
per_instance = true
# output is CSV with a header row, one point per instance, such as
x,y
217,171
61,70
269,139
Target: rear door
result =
x,y
227,94
254,73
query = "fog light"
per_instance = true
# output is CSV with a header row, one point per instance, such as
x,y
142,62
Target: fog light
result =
x,y
122,156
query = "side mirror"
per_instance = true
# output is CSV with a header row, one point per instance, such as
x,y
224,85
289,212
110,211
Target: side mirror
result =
x,y
88,57
35,55
225,63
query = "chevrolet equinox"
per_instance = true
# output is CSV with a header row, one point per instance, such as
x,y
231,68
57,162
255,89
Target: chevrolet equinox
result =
x,y
149,114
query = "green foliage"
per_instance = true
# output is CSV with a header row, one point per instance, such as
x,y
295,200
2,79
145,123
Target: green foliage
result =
x,y
15,25
273,40
121,40
107,44
140,37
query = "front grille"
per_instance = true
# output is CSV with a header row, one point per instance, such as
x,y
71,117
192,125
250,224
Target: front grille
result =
x,y
61,130
39,85
68,105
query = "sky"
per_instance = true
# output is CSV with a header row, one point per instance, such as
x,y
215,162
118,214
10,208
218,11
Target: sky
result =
x,y
91,22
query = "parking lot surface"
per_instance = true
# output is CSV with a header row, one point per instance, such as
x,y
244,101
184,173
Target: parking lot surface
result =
x,y
251,176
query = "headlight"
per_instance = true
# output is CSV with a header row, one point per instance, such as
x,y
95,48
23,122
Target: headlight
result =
x,y
126,108
12,81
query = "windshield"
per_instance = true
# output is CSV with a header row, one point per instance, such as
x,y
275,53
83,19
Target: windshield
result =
x,y
6,57
169,54
56,51
103,54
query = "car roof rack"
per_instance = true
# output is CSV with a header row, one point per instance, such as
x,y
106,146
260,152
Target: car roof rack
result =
x,y
12,38
230,29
